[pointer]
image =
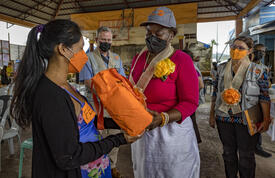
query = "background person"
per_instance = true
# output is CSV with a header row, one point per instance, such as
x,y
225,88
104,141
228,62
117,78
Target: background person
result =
x,y
213,72
4,76
100,59
259,51
201,87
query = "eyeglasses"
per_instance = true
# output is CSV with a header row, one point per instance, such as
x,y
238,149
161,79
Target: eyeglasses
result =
x,y
238,47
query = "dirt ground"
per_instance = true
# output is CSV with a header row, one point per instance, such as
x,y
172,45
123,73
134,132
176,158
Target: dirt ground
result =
x,y
210,152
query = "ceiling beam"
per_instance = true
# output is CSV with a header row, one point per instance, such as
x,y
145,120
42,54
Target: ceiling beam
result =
x,y
57,9
24,5
229,7
36,7
45,5
78,2
249,7
132,2
12,19
214,12
126,3
239,8
205,7
26,14
70,2
226,18
269,3
17,10
101,5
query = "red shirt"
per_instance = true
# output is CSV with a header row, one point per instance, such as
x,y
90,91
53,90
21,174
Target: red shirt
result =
x,y
179,91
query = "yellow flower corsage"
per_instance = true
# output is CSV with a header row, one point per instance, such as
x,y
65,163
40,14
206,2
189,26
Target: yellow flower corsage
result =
x,y
231,96
164,68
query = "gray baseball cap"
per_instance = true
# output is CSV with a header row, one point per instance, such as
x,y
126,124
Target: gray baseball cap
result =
x,y
162,16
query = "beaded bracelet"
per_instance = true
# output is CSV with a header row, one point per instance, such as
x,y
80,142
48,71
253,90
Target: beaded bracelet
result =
x,y
166,118
163,119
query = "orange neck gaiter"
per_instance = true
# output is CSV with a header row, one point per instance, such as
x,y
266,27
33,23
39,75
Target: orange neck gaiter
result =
x,y
236,54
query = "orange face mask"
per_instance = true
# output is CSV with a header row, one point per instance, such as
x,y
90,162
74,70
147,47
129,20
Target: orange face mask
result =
x,y
77,62
237,54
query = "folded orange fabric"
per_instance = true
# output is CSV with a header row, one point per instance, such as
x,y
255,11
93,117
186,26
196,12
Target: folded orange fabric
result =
x,y
125,105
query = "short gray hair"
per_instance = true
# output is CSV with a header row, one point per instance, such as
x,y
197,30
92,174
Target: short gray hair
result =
x,y
103,29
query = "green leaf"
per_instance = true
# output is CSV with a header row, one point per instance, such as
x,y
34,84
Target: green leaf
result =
x,y
93,172
163,78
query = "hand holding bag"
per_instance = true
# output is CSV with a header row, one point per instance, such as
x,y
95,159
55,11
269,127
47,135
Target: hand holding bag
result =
x,y
122,101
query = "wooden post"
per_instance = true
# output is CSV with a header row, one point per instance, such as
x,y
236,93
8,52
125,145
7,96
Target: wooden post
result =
x,y
239,26
181,42
273,62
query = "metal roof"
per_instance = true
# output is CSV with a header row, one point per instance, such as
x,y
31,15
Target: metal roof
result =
x,y
264,28
42,11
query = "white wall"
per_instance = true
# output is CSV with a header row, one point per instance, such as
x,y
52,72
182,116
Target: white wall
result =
x,y
18,34
16,51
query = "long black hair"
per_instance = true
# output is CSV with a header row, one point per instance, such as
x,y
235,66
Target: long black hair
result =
x,y
40,46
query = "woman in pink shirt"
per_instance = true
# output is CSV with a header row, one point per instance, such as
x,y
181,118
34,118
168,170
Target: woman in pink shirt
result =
x,y
170,148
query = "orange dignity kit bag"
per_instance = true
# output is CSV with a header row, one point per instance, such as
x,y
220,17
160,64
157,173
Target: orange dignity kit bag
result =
x,y
125,105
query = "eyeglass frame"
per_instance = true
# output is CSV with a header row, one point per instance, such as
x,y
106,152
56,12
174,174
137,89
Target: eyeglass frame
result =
x,y
238,47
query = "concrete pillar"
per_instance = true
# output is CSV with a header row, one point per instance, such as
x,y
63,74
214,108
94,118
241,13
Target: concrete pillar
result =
x,y
239,26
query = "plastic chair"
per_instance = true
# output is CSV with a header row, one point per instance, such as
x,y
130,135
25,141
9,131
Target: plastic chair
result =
x,y
27,144
6,99
8,134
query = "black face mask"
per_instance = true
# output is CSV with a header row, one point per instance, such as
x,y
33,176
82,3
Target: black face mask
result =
x,y
258,55
104,46
155,44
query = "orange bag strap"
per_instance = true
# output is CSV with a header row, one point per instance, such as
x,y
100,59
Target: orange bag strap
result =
x,y
100,119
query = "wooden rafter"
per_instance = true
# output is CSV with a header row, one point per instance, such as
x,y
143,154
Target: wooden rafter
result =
x,y
14,20
130,2
17,10
270,3
205,7
227,6
45,5
101,5
249,7
73,1
57,9
213,12
239,8
29,12
25,5
214,19
78,2
126,3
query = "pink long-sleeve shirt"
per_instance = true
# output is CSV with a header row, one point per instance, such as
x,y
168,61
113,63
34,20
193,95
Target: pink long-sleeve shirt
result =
x,y
179,91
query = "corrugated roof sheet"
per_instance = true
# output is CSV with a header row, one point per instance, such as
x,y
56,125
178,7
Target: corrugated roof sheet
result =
x,y
41,11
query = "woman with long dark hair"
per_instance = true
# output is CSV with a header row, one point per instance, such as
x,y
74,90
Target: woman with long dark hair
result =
x,y
65,140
